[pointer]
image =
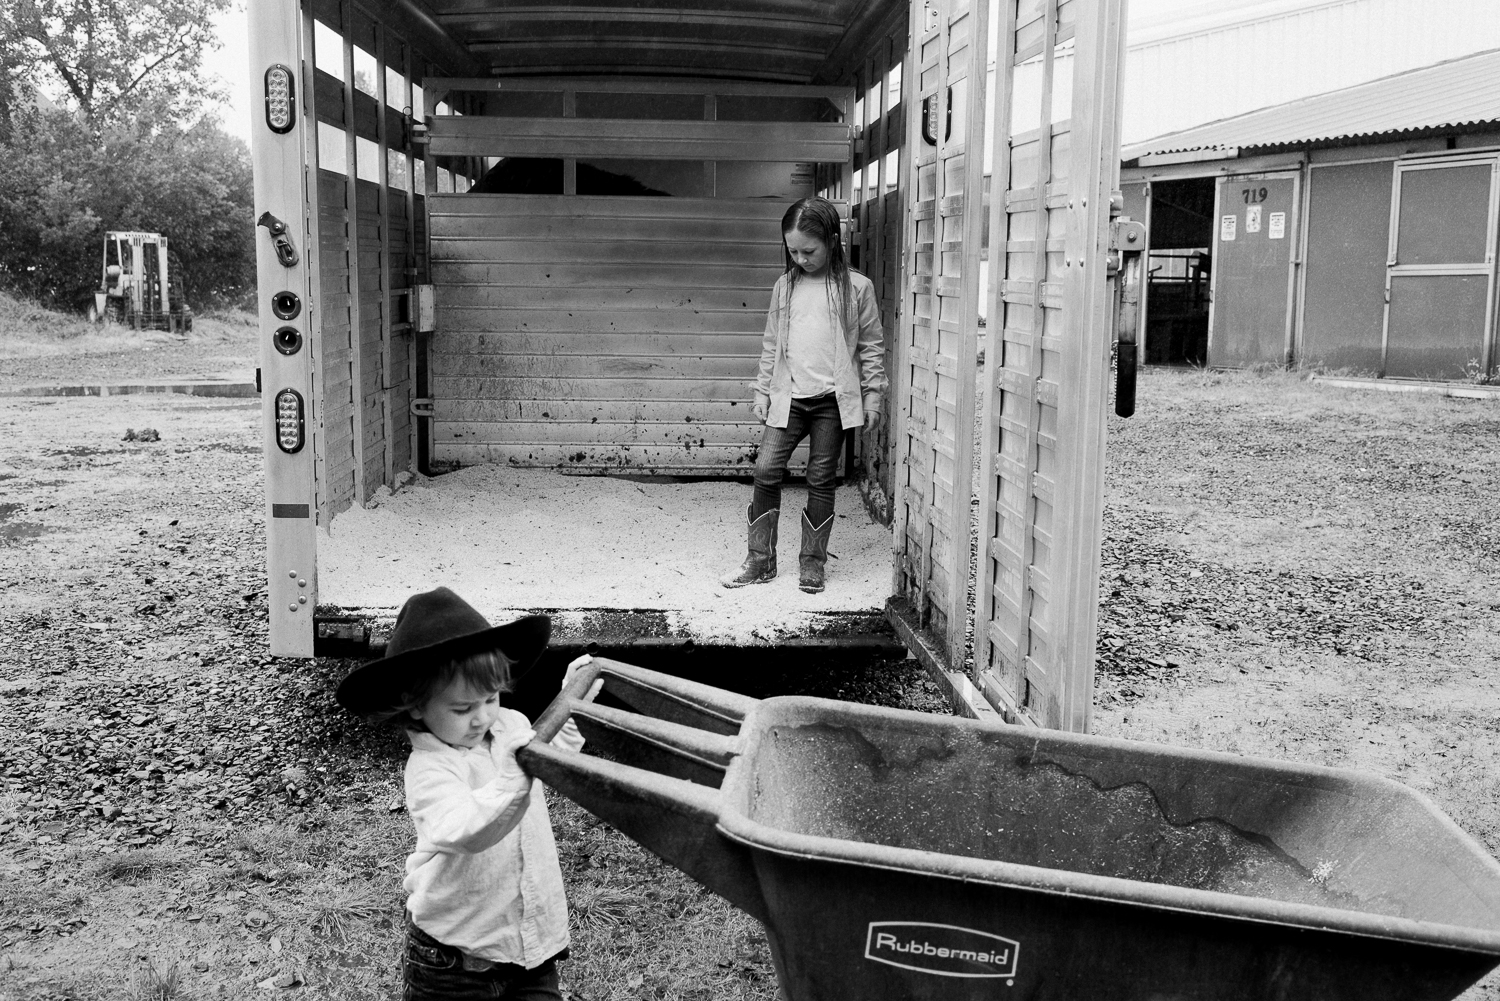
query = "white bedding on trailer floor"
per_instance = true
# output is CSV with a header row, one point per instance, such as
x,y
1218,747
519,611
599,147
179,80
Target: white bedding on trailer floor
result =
x,y
510,540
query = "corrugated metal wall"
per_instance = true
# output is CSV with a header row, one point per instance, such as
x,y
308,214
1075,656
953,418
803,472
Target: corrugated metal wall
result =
x,y
1178,75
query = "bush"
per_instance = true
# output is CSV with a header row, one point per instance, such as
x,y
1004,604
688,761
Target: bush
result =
x,y
65,186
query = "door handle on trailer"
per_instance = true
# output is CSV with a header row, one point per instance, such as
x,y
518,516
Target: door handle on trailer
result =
x,y
1127,244
286,251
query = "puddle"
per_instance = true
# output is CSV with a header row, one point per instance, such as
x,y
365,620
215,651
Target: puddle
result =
x,y
220,446
16,531
84,451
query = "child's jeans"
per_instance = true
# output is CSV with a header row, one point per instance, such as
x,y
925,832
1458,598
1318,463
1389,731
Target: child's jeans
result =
x,y
436,971
816,419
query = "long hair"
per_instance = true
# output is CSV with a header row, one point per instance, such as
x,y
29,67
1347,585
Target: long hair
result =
x,y
819,219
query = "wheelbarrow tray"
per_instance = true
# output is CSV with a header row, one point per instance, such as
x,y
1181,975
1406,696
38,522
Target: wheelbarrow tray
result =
x,y
900,855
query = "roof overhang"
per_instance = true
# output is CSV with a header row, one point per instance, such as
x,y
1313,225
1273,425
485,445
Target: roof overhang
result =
x,y
790,41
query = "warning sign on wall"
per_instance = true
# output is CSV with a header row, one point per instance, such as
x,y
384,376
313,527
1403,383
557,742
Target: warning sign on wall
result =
x,y
1252,219
1277,226
1227,226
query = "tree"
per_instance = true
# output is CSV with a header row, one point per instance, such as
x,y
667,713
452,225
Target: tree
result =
x,y
111,55
66,184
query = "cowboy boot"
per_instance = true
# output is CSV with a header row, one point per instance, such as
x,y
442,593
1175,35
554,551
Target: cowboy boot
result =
x,y
814,553
760,563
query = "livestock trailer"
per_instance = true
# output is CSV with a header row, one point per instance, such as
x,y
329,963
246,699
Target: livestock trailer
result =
x,y
544,236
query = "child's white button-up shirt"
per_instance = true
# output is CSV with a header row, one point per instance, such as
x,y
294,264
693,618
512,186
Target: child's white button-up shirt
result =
x,y
484,877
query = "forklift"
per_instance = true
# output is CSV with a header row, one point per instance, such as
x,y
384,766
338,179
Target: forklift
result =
x,y
138,286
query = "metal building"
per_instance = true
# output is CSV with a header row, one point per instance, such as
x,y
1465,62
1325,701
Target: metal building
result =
x,y
1186,65
1353,230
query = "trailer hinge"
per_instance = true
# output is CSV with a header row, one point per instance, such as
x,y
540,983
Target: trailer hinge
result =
x,y
1124,234
340,637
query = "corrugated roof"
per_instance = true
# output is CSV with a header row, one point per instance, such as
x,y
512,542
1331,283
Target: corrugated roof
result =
x,y
1462,91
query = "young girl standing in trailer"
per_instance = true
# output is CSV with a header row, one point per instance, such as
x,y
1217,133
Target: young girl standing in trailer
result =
x,y
820,374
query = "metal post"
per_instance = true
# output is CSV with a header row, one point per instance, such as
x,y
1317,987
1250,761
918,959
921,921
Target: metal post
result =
x,y
278,159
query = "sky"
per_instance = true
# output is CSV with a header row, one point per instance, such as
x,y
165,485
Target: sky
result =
x,y
231,64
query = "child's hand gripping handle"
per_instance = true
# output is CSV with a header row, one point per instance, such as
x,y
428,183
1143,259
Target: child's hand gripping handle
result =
x,y
581,684
667,759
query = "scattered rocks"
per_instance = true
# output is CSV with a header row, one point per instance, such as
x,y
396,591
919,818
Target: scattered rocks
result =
x,y
144,434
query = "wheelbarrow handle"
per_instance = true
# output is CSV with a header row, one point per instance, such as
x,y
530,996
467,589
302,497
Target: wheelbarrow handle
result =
x,y
650,693
662,791
575,691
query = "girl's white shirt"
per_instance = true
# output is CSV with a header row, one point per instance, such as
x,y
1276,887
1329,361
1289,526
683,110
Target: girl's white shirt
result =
x,y
484,877
812,343
859,381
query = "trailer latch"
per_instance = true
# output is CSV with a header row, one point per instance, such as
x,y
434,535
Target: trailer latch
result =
x,y
1127,244
424,308
286,253
421,407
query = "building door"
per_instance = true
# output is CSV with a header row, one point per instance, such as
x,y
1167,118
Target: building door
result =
x,y
1251,309
1439,289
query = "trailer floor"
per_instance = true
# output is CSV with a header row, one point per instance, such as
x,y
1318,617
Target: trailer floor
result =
x,y
607,557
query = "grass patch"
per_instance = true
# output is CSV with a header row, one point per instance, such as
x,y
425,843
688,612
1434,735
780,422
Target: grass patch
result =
x,y
154,984
21,319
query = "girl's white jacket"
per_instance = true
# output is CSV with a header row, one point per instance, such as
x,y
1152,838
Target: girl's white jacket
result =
x,y
859,380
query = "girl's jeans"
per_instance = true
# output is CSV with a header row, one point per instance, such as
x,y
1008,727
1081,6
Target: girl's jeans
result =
x,y
818,420
435,971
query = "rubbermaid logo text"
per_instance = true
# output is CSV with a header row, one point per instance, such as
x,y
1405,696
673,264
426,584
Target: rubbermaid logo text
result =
x,y
943,950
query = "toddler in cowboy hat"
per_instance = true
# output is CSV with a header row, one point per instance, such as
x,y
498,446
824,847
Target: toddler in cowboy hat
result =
x,y
486,911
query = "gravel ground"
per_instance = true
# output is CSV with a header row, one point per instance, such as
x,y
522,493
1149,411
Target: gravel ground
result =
x,y
175,804
174,801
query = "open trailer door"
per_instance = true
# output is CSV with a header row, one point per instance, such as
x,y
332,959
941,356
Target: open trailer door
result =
x,y
278,150
1052,118
933,381
1045,390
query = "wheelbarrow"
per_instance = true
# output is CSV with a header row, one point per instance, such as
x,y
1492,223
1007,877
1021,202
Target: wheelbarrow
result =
x,y
900,855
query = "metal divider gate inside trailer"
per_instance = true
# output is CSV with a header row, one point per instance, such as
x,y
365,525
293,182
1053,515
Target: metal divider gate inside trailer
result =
x,y
1032,471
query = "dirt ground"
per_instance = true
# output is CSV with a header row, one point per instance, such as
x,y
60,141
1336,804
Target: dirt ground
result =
x,y
1289,570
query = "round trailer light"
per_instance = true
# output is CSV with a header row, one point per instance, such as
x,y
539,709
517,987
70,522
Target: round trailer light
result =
x,y
286,305
290,425
281,104
287,340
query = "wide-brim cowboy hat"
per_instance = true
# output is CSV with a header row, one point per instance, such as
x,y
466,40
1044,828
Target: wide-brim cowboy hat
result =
x,y
433,628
